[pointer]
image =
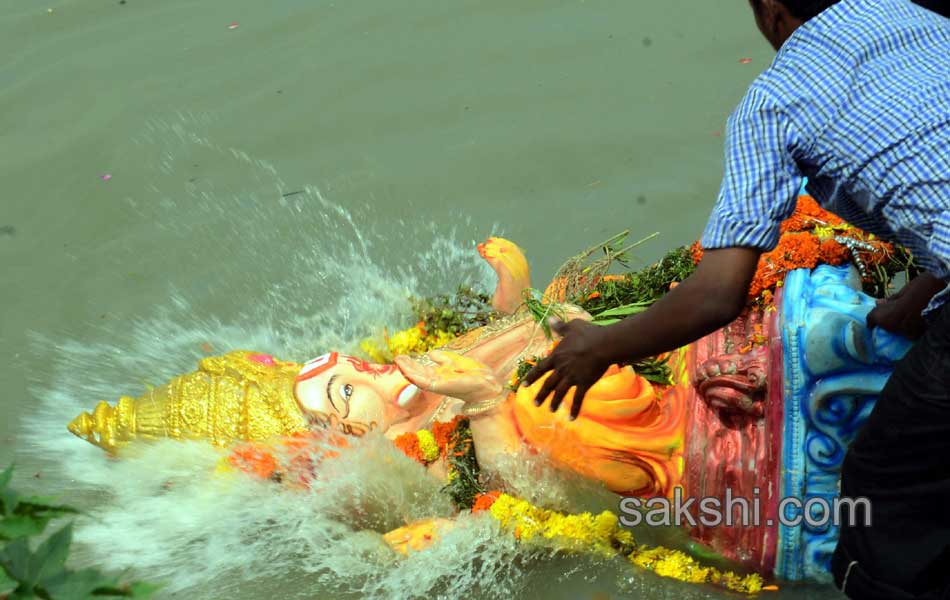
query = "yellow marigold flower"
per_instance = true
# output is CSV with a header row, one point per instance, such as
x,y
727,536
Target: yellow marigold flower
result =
x,y
602,534
428,445
407,341
606,524
417,340
624,538
440,338
750,584
375,351
675,565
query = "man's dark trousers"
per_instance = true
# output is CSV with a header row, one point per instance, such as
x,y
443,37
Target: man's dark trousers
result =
x,y
900,462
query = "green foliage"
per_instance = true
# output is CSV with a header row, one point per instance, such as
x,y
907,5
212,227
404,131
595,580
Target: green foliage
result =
x,y
615,315
30,570
457,313
640,288
541,310
524,367
877,283
22,516
654,370
463,485
611,301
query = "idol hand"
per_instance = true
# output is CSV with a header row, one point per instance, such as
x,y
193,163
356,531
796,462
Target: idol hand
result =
x,y
453,375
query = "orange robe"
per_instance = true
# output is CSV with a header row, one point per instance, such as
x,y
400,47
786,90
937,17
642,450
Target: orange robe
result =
x,y
629,434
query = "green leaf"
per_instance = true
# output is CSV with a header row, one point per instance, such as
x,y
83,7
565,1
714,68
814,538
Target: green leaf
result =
x,y
6,477
49,560
6,583
606,322
42,573
142,589
70,585
19,526
15,560
8,497
22,593
40,507
625,310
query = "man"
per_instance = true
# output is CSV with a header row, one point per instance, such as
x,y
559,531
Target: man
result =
x,y
857,100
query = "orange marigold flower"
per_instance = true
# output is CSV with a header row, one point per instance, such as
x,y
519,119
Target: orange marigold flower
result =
x,y
833,253
696,251
408,444
485,501
798,250
254,460
883,253
807,205
796,222
442,432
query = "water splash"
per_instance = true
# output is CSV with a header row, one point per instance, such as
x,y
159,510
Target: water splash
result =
x,y
238,262
236,259
232,262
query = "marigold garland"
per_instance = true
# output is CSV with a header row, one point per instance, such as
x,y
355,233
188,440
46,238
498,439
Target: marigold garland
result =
x,y
484,501
418,339
427,446
602,535
408,444
812,236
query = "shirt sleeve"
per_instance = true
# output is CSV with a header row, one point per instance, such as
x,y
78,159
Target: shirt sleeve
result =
x,y
761,181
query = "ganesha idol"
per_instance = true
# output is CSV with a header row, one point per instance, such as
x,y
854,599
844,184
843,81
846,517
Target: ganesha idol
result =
x,y
763,408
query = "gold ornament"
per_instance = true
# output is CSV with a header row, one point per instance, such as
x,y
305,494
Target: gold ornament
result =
x,y
240,396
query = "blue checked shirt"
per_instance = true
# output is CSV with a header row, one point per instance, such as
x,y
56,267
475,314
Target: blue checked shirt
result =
x,y
858,101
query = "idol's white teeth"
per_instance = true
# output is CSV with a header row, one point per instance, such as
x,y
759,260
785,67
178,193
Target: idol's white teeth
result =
x,y
406,396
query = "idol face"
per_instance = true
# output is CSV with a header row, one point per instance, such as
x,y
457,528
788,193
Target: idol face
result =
x,y
357,391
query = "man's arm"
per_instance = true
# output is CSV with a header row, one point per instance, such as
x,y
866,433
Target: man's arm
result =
x,y
758,192
707,300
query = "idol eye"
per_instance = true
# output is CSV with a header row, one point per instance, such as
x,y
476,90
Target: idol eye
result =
x,y
346,392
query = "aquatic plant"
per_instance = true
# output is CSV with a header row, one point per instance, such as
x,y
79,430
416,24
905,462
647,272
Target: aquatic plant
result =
x,y
29,570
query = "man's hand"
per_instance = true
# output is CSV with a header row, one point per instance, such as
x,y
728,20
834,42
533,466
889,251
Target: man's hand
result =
x,y
578,361
901,313
707,300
